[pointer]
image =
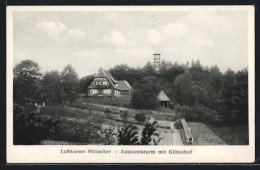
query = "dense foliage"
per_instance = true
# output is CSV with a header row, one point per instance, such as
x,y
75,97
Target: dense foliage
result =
x,y
52,87
204,94
27,84
31,129
31,87
84,82
144,95
140,117
69,81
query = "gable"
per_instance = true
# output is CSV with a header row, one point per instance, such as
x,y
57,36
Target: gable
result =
x,y
116,84
163,97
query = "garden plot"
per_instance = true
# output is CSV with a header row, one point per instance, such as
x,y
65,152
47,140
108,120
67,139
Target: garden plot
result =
x,y
203,135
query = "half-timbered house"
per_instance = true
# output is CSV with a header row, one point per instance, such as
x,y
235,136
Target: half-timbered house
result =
x,y
104,84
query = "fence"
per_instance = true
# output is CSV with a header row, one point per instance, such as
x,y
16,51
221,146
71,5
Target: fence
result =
x,y
187,132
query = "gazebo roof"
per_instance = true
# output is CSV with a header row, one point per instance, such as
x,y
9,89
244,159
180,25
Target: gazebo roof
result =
x,y
163,97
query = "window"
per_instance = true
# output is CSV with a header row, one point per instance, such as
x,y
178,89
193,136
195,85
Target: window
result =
x,y
101,82
117,93
93,91
107,91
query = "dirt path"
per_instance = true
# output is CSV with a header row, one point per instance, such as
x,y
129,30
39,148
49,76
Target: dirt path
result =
x,y
177,137
170,136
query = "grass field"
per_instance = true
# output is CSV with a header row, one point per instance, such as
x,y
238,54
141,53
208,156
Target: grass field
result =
x,y
234,135
203,135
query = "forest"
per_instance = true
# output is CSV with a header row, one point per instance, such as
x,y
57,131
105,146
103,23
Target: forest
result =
x,y
198,94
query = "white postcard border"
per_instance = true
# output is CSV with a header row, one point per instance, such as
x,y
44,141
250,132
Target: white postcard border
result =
x,y
199,154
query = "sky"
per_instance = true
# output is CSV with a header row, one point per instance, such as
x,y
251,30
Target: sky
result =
x,y
89,40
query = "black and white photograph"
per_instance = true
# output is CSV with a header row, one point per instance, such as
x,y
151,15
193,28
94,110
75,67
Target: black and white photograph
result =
x,y
131,76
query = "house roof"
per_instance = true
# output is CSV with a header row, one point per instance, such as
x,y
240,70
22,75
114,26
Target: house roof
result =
x,y
122,84
163,97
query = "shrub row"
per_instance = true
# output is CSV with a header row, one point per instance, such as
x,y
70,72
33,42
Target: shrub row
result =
x,y
112,101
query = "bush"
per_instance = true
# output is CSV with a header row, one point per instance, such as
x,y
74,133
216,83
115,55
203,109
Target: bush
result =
x,y
178,124
140,117
108,136
30,129
74,130
197,112
171,105
123,113
108,110
124,101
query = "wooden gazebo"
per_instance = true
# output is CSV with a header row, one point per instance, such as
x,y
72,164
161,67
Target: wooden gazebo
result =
x,y
163,99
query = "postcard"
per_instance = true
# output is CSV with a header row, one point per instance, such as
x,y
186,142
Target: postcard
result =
x,y
130,84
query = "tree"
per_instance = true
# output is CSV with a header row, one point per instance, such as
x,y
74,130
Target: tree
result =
x,y
235,96
26,81
242,94
145,94
148,70
69,81
171,72
124,72
182,84
52,87
163,67
84,82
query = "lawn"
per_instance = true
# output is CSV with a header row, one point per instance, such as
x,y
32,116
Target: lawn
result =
x,y
233,135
